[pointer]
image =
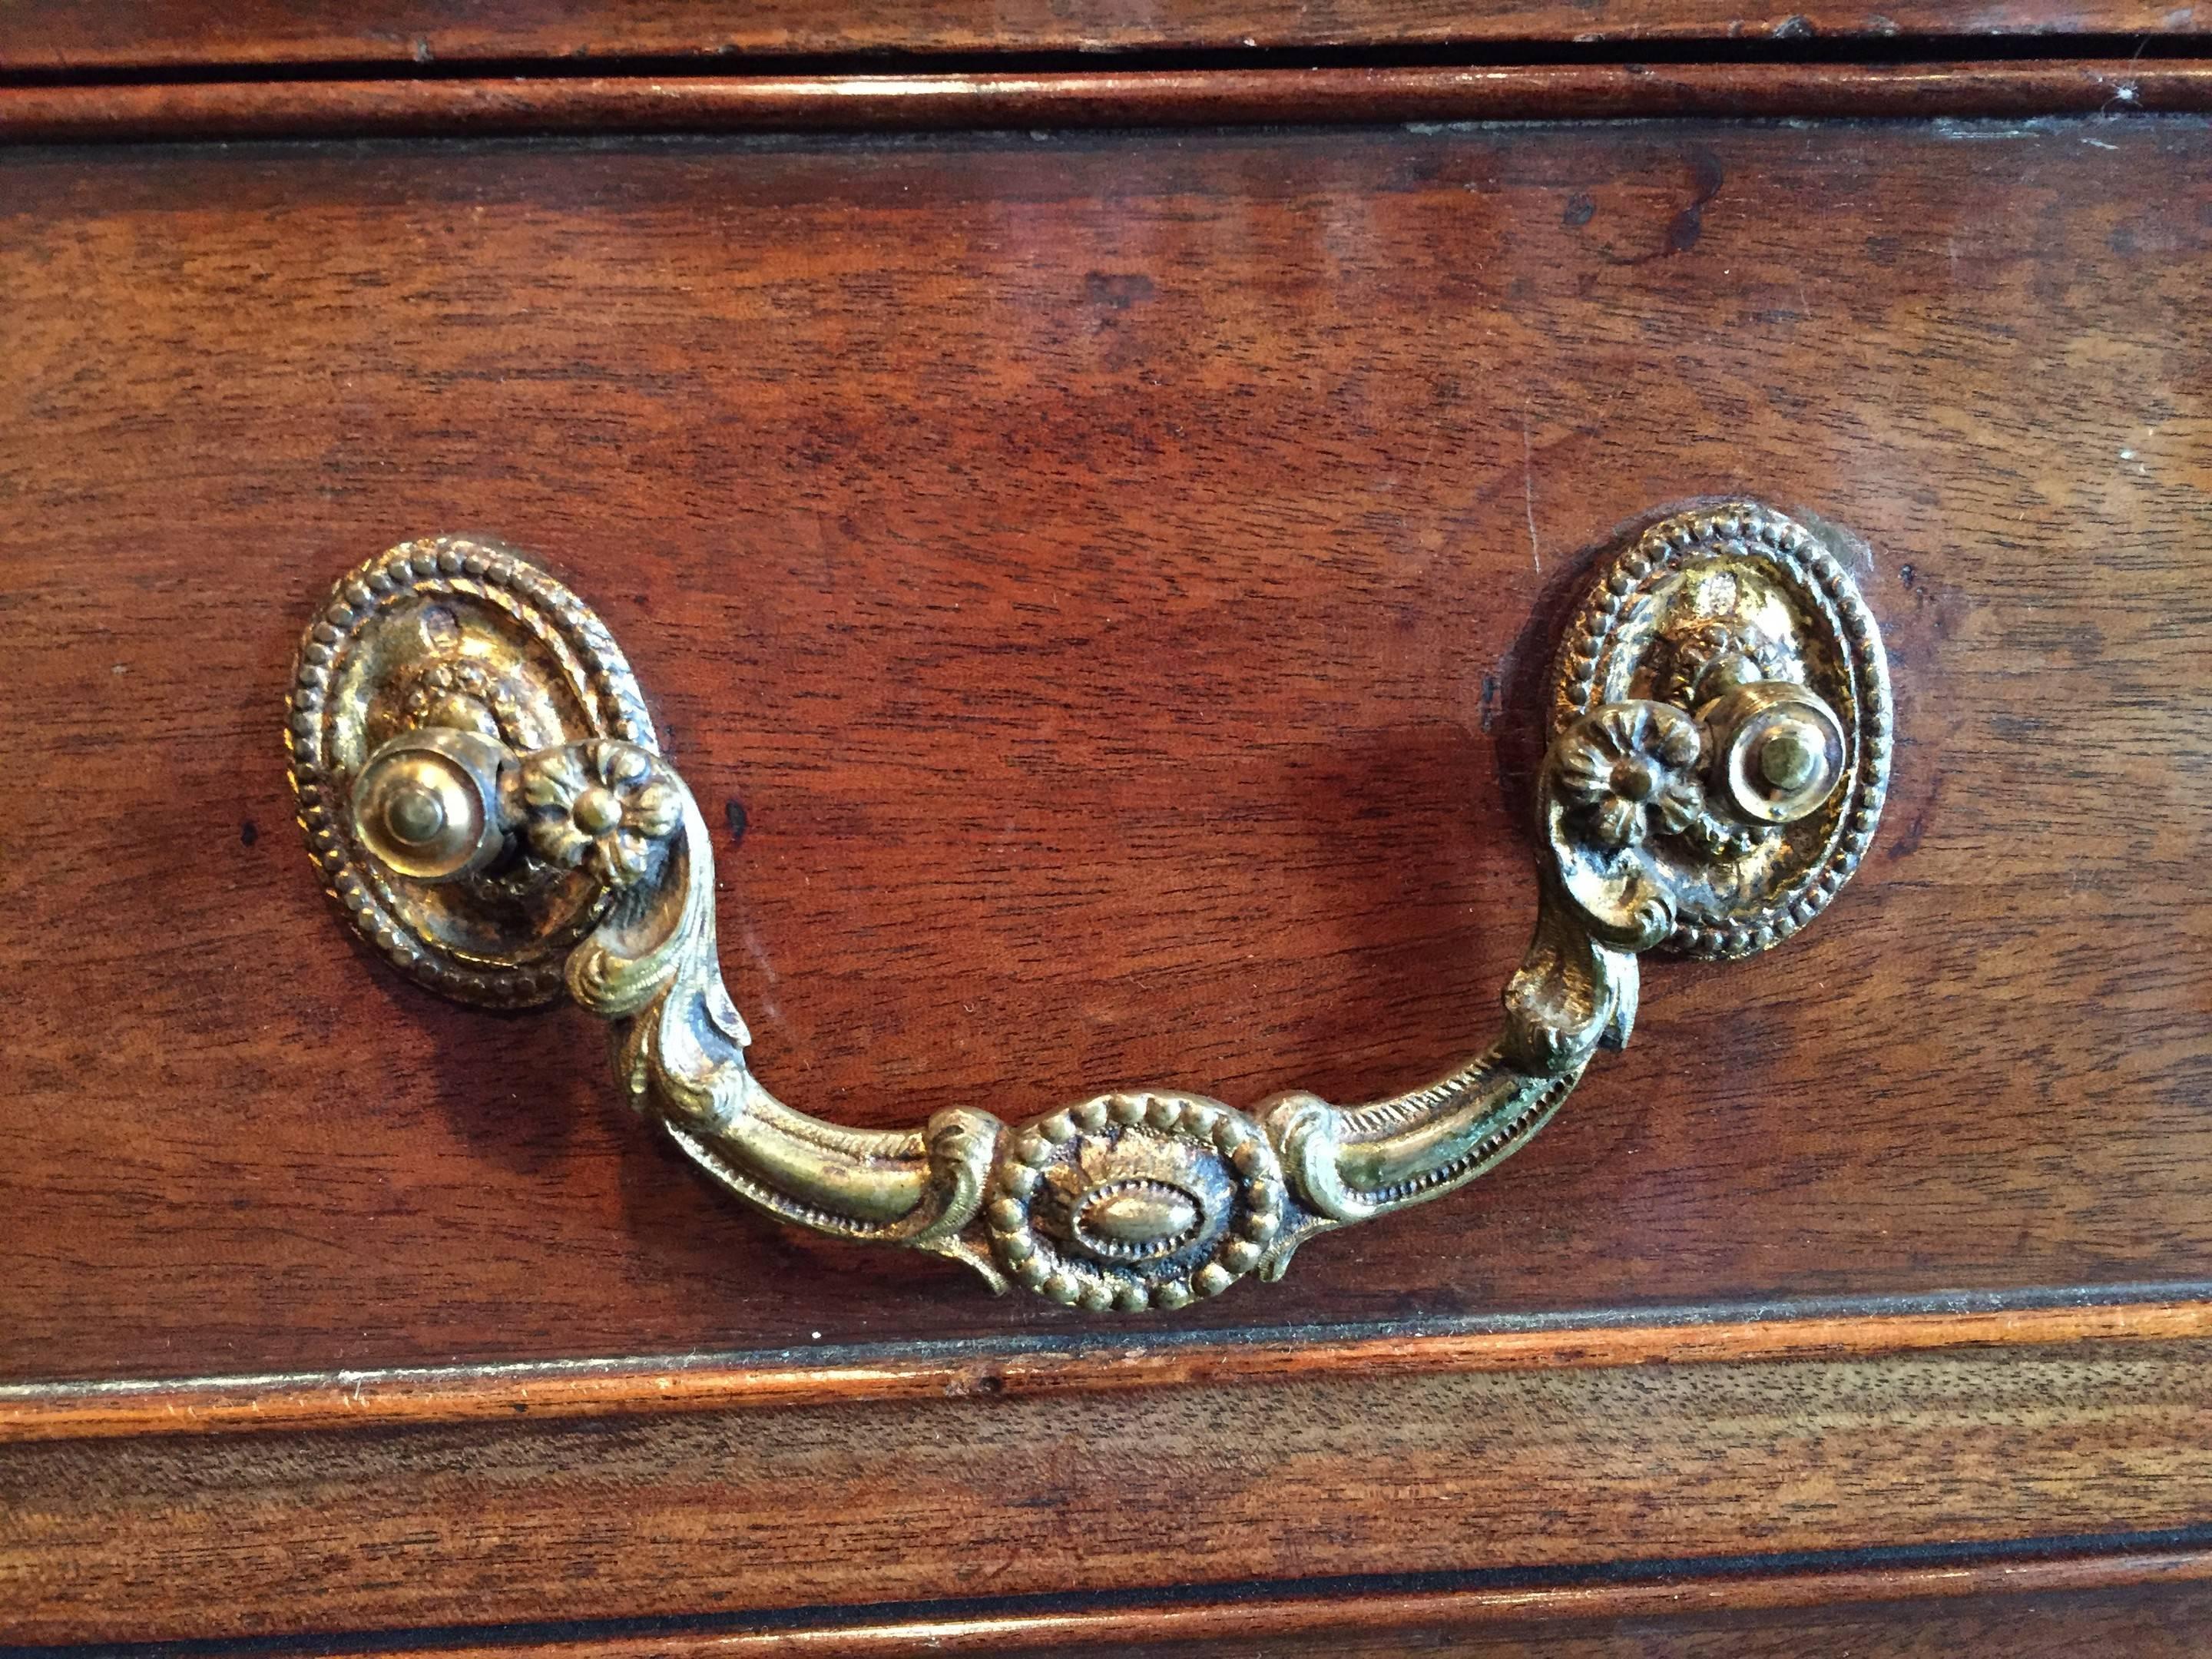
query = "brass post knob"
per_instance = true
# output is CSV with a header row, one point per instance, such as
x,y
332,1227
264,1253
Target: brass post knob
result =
x,y
425,806
1778,751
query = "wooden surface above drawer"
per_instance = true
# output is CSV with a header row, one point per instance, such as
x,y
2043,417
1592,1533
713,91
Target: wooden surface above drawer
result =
x,y
1109,579
54,37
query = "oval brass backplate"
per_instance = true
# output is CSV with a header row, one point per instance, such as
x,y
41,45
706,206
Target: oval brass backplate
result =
x,y
454,636
1744,618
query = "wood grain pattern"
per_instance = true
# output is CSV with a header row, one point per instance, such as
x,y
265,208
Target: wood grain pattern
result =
x,y
1108,578
1123,98
59,37
1504,1473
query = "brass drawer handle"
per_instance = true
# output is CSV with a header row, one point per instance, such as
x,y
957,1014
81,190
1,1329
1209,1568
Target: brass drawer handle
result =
x,y
482,789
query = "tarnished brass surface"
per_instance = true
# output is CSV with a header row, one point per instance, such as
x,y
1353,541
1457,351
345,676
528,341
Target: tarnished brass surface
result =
x,y
485,796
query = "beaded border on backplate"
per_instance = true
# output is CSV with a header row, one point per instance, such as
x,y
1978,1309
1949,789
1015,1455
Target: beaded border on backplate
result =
x,y
598,675
1742,529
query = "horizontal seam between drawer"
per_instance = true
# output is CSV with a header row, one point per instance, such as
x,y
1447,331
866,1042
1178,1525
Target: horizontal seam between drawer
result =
x,y
558,1389
994,99
1284,1607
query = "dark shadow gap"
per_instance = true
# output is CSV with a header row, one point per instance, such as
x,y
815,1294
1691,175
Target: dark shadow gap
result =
x,y
1794,52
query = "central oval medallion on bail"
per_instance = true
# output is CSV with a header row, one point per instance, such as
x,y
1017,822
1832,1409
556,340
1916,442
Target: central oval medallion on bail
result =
x,y
1130,1220
1135,1200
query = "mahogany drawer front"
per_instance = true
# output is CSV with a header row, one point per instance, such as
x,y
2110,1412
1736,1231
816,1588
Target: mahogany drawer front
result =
x,y
1102,585
1111,576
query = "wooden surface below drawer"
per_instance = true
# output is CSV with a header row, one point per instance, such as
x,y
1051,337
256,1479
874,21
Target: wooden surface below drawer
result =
x,y
2031,1619
1318,1487
1110,578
